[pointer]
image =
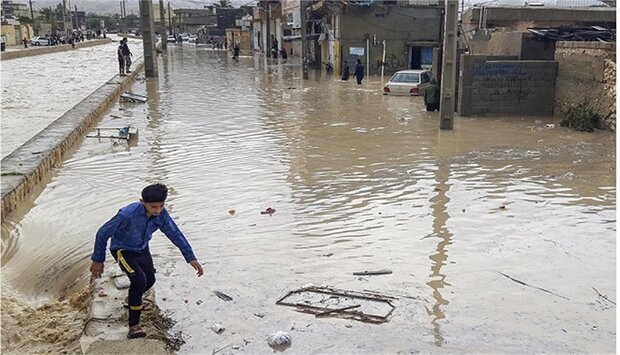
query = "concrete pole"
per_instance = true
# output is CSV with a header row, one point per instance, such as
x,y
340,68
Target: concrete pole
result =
x,y
34,24
148,38
169,19
64,24
267,33
162,26
446,104
304,45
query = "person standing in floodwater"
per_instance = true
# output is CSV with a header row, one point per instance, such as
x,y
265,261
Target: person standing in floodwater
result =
x,y
126,55
236,51
431,96
359,71
25,42
345,71
131,231
121,61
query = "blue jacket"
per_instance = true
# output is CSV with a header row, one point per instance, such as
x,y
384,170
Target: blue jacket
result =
x,y
131,229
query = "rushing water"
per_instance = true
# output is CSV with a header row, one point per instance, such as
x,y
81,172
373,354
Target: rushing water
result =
x,y
359,181
39,89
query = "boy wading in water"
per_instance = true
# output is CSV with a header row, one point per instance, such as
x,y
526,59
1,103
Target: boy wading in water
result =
x,y
131,231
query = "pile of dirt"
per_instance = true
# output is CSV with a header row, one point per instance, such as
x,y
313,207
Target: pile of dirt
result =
x,y
53,327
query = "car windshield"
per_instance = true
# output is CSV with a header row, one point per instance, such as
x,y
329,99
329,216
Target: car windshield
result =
x,y
406,78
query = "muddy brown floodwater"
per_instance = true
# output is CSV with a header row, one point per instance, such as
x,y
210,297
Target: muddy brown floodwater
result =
x,y
359,181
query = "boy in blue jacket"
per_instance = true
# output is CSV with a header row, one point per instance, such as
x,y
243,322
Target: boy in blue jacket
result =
x,y
131,231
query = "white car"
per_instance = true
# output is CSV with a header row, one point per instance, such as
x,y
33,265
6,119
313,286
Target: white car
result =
x,y
408,82
38,41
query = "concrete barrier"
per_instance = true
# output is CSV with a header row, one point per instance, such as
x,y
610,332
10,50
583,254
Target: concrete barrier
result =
x,y
51,49
28,165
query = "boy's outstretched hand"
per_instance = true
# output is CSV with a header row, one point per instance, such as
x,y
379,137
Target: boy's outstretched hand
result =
x,y
196,265
96,269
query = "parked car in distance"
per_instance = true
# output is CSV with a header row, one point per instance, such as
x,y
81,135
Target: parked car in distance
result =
x,y
408,82
38,41
171,39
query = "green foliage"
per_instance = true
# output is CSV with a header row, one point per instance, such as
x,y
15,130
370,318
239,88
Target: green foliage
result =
x,y
24,19
581,118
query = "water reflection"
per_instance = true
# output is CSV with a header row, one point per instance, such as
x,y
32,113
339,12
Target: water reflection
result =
x,y
440,258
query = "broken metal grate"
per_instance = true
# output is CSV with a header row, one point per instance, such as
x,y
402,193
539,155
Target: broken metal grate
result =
x,y
327,301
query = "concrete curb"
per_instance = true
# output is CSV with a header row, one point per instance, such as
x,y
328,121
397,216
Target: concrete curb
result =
x,y
51,49
28,165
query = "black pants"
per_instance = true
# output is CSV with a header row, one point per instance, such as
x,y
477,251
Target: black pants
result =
x,y
432,107
139,267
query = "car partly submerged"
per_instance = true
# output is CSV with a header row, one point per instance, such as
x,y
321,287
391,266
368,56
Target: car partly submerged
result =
x,y
408,82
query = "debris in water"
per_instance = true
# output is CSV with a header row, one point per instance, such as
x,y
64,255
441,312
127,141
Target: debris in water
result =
x,y
376,272
269,211
231,212
280,339
217,328
223,296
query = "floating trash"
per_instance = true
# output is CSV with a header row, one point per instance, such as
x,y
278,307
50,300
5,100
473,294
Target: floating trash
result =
x,y
327,301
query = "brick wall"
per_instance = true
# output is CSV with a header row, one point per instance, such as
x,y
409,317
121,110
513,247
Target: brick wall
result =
x,y
587,75
506,86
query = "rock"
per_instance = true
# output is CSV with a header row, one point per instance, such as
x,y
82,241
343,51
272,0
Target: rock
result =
x,y
279,339
218,328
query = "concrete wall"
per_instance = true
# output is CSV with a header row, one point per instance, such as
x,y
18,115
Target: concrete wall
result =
x,y
506,87
586,75
542,17
523,45
28,165
51,49
397,25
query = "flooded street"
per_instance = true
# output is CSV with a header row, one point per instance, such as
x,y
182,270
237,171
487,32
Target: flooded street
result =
x,y
359,181
38,90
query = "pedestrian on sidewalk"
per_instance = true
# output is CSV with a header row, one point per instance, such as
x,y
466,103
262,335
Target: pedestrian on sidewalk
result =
x,y
131,231
431,96
25,42
121,60
359,71
126,55
236,51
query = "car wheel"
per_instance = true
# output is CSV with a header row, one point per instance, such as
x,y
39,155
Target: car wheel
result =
x,y
37,43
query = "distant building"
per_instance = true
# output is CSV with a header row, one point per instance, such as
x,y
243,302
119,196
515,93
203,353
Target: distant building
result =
x,y
13,10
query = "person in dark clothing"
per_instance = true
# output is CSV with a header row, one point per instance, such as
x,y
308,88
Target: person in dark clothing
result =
x,y
25,42
283,53
121,60
126,55
236,51
431,96
345,71
131,230
359,72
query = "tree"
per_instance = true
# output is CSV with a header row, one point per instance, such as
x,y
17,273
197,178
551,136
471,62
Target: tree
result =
x,y
223,3
24,19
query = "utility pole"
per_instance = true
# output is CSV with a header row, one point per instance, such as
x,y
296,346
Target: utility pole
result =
x,y
267,31
76,16
169,20
162,26
121,3
124,16
148,38
64,24
69,8
304,50
448,71
34,25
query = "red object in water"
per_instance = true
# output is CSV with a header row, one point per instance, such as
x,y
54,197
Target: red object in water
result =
x,y
268,211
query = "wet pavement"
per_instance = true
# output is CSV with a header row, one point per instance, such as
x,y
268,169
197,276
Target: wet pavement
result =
x,y
38,90
359,181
